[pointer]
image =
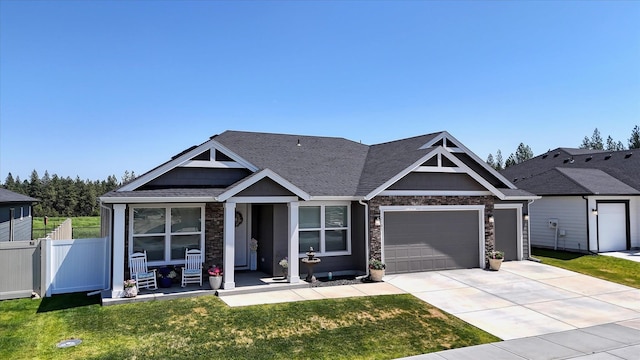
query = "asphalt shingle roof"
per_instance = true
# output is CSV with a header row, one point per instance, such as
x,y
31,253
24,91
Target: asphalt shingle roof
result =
x,y
558,172
7,196
321,166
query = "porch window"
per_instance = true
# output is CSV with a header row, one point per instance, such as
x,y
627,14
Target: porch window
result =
x,y
165,232
325,228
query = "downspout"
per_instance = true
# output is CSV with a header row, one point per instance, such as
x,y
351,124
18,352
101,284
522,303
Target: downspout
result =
x,y
366,235
529,231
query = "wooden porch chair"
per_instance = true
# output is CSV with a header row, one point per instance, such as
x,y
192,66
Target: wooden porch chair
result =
x,y
144,278
192,269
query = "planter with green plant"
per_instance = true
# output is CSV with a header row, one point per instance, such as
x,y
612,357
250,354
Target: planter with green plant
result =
x,y
495,259
376,270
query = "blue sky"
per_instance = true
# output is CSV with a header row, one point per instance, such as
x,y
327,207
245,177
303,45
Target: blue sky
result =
x,y
94,88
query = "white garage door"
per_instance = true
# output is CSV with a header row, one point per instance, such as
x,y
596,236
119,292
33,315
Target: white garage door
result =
x,y
612,227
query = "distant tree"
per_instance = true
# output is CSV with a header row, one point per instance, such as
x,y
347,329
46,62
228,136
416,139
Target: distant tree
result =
x,y
596,140
523,153
511,160
128,176
490,161
634,140
586,143
10,183
613,145
499,160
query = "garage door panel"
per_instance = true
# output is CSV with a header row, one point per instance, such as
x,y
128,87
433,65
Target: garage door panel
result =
x,y
506,232
430,240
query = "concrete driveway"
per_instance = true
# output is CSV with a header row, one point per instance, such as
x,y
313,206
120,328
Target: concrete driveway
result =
x,y
524,298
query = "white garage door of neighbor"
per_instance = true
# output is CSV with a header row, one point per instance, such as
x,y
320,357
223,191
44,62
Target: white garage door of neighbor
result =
x,y
612,227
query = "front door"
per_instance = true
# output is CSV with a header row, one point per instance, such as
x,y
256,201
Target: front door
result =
x,y
241,241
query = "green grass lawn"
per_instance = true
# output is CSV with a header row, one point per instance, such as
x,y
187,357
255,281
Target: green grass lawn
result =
x,y
376,327
83,226
621,271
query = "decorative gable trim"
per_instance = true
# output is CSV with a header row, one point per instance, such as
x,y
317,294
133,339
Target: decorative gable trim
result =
x,y
247,182
186,159
453,145
440,152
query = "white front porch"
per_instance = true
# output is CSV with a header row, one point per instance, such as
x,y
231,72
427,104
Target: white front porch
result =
x,y
229,241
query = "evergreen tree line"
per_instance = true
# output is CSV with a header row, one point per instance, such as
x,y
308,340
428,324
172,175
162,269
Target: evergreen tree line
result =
x,y
64,196
595,142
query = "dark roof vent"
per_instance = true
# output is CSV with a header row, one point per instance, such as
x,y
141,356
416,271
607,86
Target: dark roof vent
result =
x,y
588,159
569,160
516,179
607,157
628,155
545,156
556,155
565,161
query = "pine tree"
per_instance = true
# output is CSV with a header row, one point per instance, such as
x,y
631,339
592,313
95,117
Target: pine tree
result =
x,y
490,161
586,143
511,160
596,140
634,140
499,160
523,153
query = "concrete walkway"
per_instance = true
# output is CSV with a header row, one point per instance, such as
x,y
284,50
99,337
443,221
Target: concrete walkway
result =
x,y
632,255
542,311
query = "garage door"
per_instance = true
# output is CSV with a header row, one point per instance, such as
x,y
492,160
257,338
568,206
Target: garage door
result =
x,y
430,240
506,227
612,227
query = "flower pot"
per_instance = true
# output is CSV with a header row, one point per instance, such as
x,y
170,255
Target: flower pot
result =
x,y
130,292
376,275
494,264
215,282
285,273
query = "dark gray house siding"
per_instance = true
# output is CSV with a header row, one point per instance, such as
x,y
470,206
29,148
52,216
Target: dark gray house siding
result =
x,y
21,226
197,177
437,181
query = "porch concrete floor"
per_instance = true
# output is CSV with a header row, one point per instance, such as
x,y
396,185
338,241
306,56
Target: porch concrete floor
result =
x,y
247,282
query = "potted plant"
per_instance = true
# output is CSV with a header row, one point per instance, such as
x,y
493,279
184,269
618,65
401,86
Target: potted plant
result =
x,y
285,267
215,277
166,275
376,269
130,288
495,259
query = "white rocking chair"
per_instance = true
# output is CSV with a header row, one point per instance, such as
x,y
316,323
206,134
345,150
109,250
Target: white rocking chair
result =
x,y
144,278
192,269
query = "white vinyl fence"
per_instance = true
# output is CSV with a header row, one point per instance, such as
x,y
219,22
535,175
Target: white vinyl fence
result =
x,y
76,265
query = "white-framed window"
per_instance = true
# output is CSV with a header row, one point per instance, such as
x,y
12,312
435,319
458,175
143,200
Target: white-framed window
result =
x,y
166,231
326,227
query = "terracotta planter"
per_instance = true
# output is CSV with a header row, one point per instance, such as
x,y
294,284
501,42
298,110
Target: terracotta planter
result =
x,y
494,264
215,282
376,275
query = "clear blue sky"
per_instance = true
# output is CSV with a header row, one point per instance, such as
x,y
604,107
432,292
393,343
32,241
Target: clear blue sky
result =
x,y
94,88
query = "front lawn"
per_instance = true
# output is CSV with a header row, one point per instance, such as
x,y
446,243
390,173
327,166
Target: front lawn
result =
x,y
376,327
609,268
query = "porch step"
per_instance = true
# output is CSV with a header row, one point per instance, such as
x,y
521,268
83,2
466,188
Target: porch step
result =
x,y
255,289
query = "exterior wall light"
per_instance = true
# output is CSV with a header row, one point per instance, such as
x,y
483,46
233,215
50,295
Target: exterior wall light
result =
x,y
491,219
376,221
594,212
526,217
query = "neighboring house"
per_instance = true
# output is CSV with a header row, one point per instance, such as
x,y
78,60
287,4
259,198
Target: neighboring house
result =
x,y
16,223
590,198
422,203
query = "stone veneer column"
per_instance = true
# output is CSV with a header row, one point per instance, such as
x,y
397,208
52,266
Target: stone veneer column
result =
x,y
213,234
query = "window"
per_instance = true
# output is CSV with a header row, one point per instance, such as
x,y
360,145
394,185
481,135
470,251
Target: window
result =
x,y
166,232
325,228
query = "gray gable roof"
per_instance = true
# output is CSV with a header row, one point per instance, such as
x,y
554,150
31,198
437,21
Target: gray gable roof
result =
x,y
386,160
618,172
313,166
7,196
322,166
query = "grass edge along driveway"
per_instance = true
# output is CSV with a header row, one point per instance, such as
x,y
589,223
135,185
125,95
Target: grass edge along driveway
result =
x,y
604,267
374,327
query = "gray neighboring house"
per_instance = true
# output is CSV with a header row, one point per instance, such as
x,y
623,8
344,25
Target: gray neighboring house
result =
x,y
590,198
16,223
421,203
